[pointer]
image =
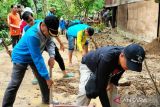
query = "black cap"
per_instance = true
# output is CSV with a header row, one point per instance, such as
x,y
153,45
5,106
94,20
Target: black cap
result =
x,y
90,31
135,55
52,24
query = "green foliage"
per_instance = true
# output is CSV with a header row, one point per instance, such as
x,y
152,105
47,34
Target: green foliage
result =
x,y
1,47
39,9
25,3
99,27
3,24
62,8
98,5
70,8
89,6
8,41
3,34
5,9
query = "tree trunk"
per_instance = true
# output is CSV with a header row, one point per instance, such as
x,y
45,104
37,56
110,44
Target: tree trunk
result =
x,y
86,15
35,4
44,7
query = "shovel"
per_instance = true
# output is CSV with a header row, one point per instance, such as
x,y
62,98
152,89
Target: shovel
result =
x,y
5,46
50,90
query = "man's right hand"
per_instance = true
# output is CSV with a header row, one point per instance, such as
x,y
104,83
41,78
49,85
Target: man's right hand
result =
x,y
49,83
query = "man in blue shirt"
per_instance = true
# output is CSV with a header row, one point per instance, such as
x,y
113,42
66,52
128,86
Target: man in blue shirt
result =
x,y
51,12
29,52
62,26
28,17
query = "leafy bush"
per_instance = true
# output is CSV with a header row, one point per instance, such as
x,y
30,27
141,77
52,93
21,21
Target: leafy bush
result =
x,y
1,47
3,25
99,27
4,34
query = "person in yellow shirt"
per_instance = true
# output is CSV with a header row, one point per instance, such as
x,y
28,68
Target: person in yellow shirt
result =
x,y
82,39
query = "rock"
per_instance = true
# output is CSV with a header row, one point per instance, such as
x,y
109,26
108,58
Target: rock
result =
x,y
29,103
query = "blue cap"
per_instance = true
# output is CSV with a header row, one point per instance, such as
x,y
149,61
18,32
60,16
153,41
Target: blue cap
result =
x,y
135,55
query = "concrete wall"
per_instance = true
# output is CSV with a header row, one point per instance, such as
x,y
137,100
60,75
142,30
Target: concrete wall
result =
x,y
141,19
122,16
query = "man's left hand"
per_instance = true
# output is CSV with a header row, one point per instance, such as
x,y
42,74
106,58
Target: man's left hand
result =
x,y
51,62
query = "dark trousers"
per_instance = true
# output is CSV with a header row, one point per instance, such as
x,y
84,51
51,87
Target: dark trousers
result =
x,y
18,73
107,20
62,31
59,59
114,16
15,40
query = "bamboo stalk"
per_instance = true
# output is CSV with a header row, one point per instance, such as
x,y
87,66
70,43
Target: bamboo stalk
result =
x,y
151,77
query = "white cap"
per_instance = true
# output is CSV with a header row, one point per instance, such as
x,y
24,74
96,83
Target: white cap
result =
x,y
27,9
61,18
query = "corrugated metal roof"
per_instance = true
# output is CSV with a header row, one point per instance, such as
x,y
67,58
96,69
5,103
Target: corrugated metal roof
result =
x,y
111,3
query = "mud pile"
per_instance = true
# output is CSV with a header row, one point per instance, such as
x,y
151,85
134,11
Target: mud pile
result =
x,y
65,86
153,47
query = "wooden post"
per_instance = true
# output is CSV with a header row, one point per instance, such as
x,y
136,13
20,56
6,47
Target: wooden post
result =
x,y
158,27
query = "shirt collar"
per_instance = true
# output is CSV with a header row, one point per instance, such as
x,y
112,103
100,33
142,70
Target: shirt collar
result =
x,y
39,30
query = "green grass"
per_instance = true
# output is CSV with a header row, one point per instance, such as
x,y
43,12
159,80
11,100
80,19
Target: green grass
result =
x,y
1,47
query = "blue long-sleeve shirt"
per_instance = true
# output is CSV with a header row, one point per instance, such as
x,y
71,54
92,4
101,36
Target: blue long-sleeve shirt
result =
x,y
30,47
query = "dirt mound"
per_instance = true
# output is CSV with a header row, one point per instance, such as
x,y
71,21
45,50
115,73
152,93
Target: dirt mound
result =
x,y
153,47
66,86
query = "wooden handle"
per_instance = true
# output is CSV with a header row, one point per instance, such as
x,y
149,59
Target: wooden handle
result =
x,y
6,47
50,90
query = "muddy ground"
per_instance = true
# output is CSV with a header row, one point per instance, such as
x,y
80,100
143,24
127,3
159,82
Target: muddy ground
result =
x,y
141,92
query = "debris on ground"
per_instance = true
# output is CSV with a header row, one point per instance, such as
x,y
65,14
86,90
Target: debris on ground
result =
x,y
153,47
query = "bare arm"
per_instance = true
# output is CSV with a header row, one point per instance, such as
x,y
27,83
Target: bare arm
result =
x,y
95,44
60,42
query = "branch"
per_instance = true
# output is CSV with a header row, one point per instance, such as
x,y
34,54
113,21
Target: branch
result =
x,y
151,78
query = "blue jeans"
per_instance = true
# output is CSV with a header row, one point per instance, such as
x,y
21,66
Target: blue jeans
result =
x,y
18,73
71,42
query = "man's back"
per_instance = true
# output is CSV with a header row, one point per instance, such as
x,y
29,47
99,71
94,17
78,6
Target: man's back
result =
x,y
73,30
28,26
107,54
